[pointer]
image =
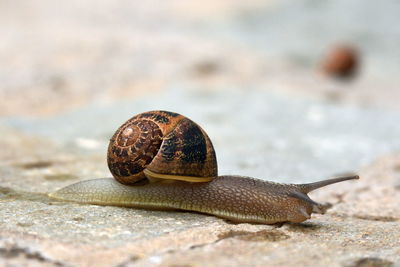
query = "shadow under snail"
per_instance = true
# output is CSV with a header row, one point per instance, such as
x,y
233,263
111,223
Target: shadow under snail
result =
x,y
163,160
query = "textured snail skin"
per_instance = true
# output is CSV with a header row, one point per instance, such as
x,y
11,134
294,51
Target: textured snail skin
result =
x,y
237,198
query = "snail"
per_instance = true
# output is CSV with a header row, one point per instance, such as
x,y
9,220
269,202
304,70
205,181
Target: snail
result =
x,y
163,160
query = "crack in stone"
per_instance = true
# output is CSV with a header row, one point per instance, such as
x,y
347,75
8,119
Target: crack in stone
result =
x,y
259,236
368,217
371,262
377,218
16,251
263,235
128,261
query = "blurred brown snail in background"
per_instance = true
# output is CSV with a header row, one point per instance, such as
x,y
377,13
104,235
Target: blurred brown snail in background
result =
x,y
163,160
342,62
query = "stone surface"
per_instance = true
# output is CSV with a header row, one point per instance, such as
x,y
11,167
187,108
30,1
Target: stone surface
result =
x,y
247,72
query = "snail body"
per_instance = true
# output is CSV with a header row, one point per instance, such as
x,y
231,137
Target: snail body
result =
x,y
170,181
236,198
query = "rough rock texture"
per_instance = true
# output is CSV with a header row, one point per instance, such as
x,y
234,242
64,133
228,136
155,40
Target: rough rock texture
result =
x,y
247,72
363,225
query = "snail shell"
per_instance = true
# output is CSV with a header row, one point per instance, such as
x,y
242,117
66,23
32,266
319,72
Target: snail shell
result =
x,y
163,145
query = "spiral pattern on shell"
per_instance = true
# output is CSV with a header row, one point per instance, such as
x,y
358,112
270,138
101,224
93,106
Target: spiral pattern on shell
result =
x,y
161,144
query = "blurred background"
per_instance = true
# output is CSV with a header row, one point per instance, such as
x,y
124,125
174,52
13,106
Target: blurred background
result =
x,y
287,90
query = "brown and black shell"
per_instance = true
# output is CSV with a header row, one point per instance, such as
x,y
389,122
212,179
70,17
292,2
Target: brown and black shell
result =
x,y
161,144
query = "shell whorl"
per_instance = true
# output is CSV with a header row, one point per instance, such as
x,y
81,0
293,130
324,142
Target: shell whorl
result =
x,y
161,144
